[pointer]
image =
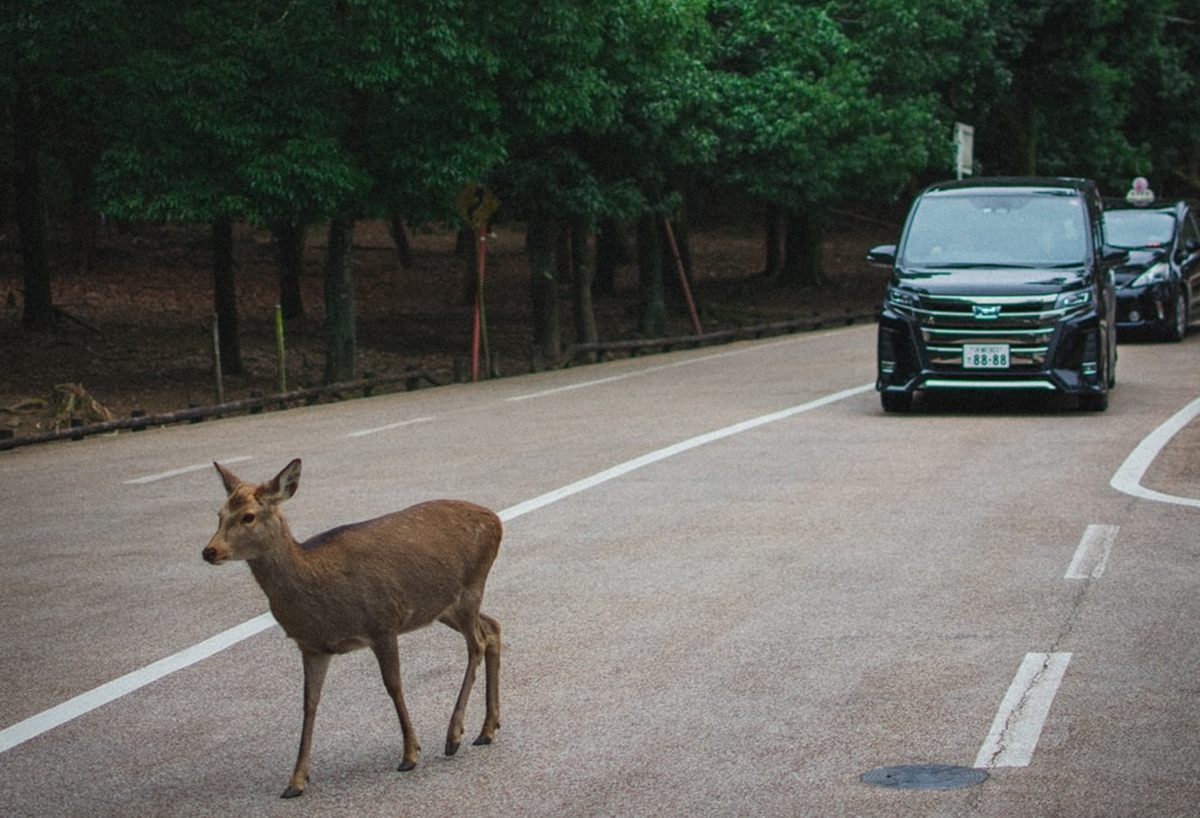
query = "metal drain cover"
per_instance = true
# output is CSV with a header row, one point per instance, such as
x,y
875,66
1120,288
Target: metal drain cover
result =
x,y
924,777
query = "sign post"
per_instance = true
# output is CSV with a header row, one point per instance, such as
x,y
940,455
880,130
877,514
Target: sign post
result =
x,y
476,204
964,144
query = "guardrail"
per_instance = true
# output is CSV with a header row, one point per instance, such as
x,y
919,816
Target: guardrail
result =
x,y
413,377
604,350
194,414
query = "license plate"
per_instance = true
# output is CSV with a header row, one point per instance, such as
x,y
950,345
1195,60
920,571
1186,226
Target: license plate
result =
x,y
985,356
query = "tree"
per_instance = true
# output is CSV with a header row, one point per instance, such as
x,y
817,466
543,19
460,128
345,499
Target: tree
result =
x,y
1070,92
823,102
1164,94
55,71
601,84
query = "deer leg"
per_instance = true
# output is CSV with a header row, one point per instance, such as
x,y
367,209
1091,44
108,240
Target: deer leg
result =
x,y
491,722
387,651
476,645
315,667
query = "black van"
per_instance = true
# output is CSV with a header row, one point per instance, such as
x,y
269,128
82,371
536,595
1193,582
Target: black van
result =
x,y
1000,284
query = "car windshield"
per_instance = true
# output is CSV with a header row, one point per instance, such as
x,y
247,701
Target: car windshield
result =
x,y
1134,229
996,229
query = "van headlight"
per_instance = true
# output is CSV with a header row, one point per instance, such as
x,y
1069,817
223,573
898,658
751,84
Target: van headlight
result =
x,y
904,299
1155,274
1074,300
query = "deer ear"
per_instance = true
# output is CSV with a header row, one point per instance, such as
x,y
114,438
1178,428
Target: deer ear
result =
x,y
227,477
286,482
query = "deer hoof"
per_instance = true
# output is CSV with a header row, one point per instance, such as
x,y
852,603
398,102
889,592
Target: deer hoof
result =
x,y
451,747
483,740
292,792
406,765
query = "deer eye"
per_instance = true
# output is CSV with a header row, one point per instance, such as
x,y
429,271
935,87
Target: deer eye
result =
x,y
247,518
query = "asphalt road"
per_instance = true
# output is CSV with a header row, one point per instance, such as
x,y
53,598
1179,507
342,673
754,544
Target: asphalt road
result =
x,y
730,585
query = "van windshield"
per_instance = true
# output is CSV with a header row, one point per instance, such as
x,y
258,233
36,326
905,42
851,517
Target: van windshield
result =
x,y
996,229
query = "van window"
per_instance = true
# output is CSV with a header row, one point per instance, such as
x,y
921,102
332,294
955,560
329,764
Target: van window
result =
x,y
991,229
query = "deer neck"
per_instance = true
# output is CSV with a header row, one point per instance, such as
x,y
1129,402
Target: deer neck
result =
x,y
282,568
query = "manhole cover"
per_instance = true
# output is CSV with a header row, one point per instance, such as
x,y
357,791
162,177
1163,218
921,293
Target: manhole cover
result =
x,y
924,777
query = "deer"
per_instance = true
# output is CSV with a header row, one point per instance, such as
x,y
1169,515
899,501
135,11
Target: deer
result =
x,y
362,585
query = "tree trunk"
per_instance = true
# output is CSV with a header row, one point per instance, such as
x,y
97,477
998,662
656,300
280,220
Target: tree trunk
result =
x,y
85,221
585,313
802,264
290,239
774,253
611,253
399,231
340,339
225,297
1029,141
540,239
652,320
39,312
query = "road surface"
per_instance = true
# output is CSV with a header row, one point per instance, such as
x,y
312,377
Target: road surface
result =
x,y
730,585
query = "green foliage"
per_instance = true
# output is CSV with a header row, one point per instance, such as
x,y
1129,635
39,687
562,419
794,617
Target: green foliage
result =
x,y
818,105
579,109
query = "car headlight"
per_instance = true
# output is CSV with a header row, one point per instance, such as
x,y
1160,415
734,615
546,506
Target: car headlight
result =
x,y
903,298
1155,274
1074,300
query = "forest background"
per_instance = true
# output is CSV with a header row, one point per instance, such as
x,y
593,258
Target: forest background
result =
x,y
208,141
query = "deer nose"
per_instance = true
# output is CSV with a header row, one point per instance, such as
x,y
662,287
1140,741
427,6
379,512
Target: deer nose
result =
x,y
209,554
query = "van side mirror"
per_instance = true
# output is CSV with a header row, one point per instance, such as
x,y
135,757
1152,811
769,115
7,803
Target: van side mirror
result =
x,y
884,255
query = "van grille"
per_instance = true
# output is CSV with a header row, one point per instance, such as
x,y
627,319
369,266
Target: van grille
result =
x,y
1025,323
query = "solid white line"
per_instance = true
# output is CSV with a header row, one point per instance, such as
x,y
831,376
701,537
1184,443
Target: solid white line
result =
x,y
151,478
1022,715
86,702
1128,478
389,427
670,451
1092,554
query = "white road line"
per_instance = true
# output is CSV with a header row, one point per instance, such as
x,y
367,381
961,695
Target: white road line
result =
x,y
670,451
151,478
1022,715
1092,554
111,691
649,370
388,428
98,697
1128,478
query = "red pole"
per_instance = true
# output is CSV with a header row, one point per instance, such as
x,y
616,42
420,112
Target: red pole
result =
x,y
479,329
683,282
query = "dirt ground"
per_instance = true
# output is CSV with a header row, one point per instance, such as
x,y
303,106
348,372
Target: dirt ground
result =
x,y
137,327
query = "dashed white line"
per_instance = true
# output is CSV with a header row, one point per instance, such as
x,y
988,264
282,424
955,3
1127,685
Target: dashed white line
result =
x,y
1018,724
151,478
388,427
643,371
1092,554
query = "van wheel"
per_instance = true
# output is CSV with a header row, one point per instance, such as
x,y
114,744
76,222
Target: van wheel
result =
x,y
896,401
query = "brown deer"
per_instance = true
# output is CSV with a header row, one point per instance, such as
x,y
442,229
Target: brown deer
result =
x,y
361,585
